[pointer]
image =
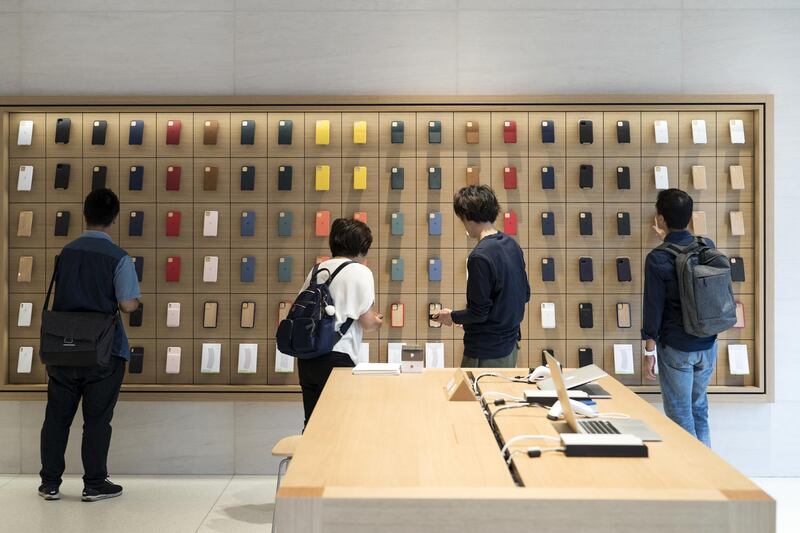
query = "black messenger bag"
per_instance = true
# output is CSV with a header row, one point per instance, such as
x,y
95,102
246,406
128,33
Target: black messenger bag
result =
x,y
75,338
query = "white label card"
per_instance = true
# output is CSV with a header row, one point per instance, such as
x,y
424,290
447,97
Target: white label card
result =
x,y
623,359
738,361
395,350
434,355
212,353
283,363
363,353
248,358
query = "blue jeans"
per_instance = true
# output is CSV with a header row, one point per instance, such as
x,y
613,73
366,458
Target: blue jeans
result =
x,y
684,378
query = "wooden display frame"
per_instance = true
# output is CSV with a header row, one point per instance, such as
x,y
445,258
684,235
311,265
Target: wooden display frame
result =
x,y
527,110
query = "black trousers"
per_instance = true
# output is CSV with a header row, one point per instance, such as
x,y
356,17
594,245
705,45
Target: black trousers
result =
x,y
314,374
98,387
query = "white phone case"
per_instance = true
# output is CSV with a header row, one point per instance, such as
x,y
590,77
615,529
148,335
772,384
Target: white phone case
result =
x,y
25,134
25,178
25,360
548,315
699,135
173,314
623,359
662,178
25,312
212,353
173,360
210,222
737,131
210,268
248,358
662,131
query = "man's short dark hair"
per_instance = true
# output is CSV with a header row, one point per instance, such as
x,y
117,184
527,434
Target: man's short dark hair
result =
x,y
101,207
676,208
476,203
349,238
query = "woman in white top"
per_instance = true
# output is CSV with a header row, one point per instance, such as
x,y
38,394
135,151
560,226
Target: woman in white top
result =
x,y
353,293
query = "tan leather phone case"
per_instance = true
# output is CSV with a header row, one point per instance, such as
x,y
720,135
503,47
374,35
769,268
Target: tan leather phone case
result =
x,y
473,132
210,175
699,181
25,270
248,316
210,314
739,315
737,177
210,131
699,223
623,315
398,315
283,310
473,175
737,223
25,225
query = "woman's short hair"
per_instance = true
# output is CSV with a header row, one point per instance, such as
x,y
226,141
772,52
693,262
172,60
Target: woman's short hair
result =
x,y
349,238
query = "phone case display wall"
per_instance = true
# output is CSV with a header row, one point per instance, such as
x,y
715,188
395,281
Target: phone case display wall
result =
x,y
225,208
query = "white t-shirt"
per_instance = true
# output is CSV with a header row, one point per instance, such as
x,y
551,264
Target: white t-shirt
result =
x,y
353,293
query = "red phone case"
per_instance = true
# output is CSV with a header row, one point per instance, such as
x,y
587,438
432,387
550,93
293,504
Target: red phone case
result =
x,y
173,178
173,219
510,131
361,216
510,177
510,223
173,271
173,132
322,226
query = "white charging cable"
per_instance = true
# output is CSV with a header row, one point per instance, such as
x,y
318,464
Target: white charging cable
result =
x,y
518,438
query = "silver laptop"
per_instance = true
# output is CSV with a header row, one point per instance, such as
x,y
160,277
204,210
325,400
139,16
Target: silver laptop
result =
x,y
599,425
576,378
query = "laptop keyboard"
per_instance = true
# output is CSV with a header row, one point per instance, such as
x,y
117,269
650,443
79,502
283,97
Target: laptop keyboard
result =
x,y
598,427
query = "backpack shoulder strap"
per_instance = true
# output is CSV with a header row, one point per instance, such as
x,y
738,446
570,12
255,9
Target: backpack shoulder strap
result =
x,y
670,248
349,322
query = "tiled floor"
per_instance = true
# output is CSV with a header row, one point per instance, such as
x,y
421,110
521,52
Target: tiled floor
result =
x,y
207,504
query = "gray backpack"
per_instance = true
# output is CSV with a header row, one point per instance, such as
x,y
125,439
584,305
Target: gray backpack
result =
x,y
706,290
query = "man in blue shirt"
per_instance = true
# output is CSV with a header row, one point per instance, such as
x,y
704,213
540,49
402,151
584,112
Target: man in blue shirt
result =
x,y
497,285
686,363
92,274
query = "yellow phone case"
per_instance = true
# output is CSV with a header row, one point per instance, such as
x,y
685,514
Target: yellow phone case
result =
x,y
360,132
323,132
359,178
322,181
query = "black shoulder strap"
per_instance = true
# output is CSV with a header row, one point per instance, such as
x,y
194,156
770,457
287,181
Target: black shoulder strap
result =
x,y
52,282
339,269
349,322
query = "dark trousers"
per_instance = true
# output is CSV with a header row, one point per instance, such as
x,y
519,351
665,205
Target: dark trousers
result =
x,y
314,374
98,387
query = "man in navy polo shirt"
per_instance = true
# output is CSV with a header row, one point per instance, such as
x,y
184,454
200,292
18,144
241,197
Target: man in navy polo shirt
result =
x,y
94,274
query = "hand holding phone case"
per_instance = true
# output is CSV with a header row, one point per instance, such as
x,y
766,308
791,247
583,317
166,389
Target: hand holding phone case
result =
x,y
737,269
586,177
548,269
25,178
210,312
398,317
435,223
585,315
62,224
434,178
623,178
62,176
398,180
623,132
548,311
173,223
247,178
285,219
247,315
510,223
737,223
510,132
247,269
173,314
548,132
699,181
737,177
699,223
136,132
322,133
585,269
285,178
285,269
25,314
359,132
699,135
136,317
322,224
435,132
210,132
397,131
398,220
247,135
585,132
25,269
62,130
398,269
623,223
173,365
138,265
737,131
136,363
99,128
740,322
510,177
210,223
624,269
173,178
247,226
585,223
548,178
25,133
322,178
662,177
473,175
285,132
210,176
210,268
433,310
548,223
173,132
136,224
25,224
359,178
472,132
136,178
585,357
172,273
435,269
661,131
